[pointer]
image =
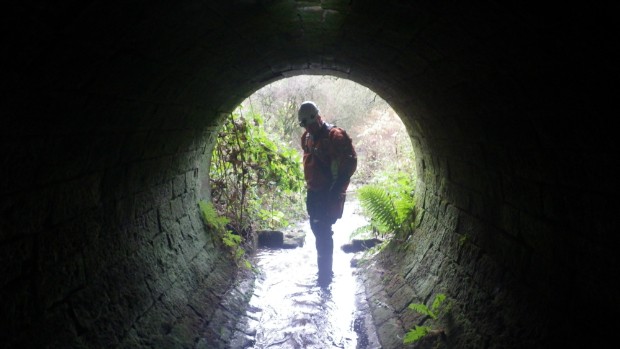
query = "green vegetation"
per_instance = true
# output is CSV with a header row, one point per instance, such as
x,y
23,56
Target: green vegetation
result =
x,y
419,332
463,239
219,225
256,182
389,205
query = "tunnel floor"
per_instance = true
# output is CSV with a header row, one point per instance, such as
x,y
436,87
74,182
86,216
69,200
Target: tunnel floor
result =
x,y
289,309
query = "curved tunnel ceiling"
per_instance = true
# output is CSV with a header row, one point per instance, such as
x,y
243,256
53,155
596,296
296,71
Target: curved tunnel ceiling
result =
x,y
474,71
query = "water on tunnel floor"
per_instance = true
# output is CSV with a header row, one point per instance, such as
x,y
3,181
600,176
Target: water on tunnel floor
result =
x,y
292,310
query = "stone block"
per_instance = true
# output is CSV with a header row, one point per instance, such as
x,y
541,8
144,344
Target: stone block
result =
x,y
270,238
358,245
294,239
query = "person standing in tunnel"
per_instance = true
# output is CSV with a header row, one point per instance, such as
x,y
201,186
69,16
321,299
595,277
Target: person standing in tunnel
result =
x,y
329,161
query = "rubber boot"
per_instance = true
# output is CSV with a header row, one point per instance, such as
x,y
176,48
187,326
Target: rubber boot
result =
x,y
324,260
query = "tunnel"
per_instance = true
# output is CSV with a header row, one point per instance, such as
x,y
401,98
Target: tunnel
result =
x,y
110,111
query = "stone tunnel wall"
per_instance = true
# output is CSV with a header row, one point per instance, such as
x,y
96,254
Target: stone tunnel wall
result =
x,y
102,243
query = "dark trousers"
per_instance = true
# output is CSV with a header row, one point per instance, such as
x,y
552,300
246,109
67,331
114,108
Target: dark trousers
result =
x,y
317,204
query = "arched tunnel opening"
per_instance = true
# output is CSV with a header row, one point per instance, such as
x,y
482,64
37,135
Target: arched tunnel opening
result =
x,y
291,303
109,109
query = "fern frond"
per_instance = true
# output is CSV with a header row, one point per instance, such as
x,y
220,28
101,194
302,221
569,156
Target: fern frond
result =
x,y
421,308
416,334
437,302
405,208
378,203
362,231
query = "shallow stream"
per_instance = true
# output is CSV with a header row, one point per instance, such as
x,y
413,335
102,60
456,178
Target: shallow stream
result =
x,y
292,311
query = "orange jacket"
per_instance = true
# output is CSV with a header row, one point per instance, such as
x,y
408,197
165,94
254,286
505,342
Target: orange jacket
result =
x,y
329,158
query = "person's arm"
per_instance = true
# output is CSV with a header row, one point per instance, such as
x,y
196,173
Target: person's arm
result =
x,y
303,141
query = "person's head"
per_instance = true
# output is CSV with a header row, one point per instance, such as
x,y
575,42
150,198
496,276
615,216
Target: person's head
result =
x,y
308,116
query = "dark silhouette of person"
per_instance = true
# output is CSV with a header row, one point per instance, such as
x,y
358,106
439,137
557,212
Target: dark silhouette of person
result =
x,y
329,161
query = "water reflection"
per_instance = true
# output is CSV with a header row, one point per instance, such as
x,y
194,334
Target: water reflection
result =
x,y
292,310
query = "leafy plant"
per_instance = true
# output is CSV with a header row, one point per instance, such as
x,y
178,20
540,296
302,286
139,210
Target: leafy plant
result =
x,y
418,332
389,206
255,181
219,224
211,218
463,239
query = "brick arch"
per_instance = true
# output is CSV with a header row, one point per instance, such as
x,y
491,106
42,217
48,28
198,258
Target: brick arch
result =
x,y
108,112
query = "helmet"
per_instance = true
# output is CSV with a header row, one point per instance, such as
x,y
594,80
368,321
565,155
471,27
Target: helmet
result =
x,y
307,113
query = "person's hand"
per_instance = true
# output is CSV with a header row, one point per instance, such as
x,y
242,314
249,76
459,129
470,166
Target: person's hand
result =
x,y
335,190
